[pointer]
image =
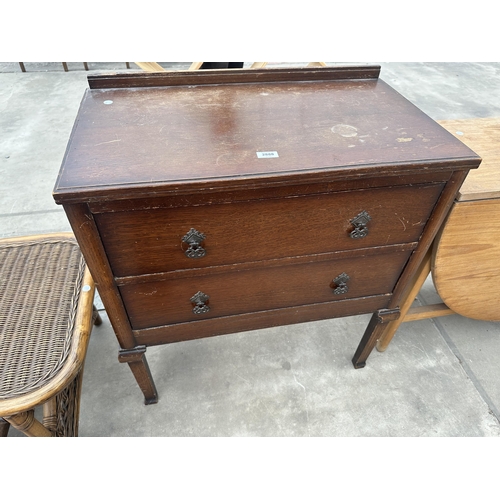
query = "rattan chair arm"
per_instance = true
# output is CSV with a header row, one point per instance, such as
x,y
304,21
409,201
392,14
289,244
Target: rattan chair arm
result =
x,y
45,236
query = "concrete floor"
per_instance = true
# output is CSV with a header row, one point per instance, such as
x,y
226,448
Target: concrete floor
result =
x,y
438,377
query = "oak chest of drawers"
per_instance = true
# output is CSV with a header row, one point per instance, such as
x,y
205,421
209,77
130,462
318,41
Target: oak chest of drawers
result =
x,y
213,202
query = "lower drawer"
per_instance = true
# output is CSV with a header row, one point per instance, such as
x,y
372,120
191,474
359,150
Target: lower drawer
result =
x,y
192,296
212,327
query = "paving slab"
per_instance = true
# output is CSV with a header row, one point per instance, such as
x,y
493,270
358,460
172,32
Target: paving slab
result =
x,y
288,381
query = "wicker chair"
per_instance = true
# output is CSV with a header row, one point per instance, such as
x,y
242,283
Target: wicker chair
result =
x,y
46,316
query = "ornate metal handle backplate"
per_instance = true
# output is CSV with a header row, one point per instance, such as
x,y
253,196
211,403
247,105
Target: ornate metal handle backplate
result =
x,y
359,222
200,301
194,238
339,284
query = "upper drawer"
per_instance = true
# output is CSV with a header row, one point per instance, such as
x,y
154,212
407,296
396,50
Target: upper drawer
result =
x,y
157,240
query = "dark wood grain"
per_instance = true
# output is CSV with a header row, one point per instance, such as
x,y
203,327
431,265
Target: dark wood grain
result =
x,y
290,189
88,238
378,322
377,325
207,137
136,359
152,156
271,285
150,241
435,223
264,319
218,77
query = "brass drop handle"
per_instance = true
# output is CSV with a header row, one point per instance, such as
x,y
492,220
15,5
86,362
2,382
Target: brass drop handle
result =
x,y
360,225
339,284
194,238
200,301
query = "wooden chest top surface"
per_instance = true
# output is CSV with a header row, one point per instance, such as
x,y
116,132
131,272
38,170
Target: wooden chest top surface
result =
x,y
144,136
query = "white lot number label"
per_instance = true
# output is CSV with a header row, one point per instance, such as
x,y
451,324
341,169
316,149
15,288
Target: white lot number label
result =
x,y
267,154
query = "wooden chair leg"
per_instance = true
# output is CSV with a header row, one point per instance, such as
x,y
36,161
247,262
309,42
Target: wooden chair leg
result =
x,y
60,415
426,312
4,427
28,424
50,414
418,281
96,317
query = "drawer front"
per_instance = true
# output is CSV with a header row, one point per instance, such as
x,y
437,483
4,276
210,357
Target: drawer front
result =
x,y
161,240
180,332
192,296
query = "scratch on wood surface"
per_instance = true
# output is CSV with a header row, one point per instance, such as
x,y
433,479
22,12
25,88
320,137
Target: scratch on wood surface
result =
x,y
219,157
107,142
